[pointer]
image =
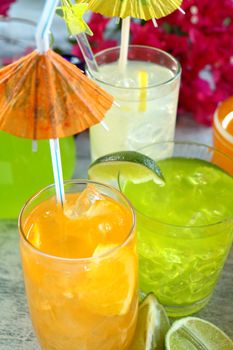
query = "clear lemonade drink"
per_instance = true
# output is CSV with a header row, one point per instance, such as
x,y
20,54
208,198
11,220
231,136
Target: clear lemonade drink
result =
x,y
147,93
80,268
185,229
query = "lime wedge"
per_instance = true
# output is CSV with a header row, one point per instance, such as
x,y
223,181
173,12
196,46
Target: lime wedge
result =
x,y
131,165
192,333
152,326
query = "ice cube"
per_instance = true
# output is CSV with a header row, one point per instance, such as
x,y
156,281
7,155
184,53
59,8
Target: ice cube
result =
x,y
83,204
118,79
126,82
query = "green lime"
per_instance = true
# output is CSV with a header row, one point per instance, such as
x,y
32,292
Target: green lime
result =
x,y
152,325
129,164
192,333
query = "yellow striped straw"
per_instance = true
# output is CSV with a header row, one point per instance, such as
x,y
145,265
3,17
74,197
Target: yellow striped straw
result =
x,y
143,84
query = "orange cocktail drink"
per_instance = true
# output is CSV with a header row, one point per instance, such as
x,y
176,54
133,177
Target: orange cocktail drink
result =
x,y
223,133
80,267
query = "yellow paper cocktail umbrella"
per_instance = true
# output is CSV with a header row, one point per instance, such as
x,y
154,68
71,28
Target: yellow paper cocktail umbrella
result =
x,y
141,9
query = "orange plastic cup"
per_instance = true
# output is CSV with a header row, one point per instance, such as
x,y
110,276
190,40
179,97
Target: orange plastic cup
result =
x,y
223,133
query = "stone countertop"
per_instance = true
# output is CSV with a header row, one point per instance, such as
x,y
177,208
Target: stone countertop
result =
x,y
15,326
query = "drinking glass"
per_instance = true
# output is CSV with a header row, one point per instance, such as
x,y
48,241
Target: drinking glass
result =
x,y
223,131
180,260
73,301
16,38
147,94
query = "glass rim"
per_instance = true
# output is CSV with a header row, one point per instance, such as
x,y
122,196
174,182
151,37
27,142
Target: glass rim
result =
x,y
80,260
221,130
196,227
17,41
218,136
151,86
17,19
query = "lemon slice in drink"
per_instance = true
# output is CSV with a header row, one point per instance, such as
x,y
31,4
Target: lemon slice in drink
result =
x,y
192,333
129,164
152,326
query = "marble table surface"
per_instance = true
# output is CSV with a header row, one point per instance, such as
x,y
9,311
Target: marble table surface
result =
x,y
15,327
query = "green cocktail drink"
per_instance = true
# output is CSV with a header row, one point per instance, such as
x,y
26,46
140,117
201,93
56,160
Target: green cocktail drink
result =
x,y
185,226
23,172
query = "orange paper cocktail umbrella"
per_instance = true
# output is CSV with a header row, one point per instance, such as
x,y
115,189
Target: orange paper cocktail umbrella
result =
x,y
43,96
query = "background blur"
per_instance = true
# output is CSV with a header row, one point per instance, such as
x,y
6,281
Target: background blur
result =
x,y
201,40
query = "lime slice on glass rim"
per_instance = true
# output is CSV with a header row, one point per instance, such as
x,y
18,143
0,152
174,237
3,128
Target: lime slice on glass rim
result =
x,y
192,333
152,325
130,165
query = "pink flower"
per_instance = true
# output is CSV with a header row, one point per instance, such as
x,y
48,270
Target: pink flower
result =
x,y
4,6
202,42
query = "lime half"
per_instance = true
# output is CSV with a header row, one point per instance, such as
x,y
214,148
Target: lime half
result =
x,y
192,333
152,326
131,165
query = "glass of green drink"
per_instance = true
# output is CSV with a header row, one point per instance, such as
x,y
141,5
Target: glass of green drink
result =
x,y
185,226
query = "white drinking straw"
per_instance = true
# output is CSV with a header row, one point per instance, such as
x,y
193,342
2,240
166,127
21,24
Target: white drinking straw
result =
x,y
87,52
44,25
57,169
85,47
124,49
181,10
42,42
154,22
90,60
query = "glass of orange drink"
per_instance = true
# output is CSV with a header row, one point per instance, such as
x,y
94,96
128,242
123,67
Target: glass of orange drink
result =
x,y
223,132
80,267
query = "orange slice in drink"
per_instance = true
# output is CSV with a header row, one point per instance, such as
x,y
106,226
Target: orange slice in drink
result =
x,y
113,272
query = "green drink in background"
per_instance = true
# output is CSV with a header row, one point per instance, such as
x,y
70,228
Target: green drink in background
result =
x,y
24,172
185,226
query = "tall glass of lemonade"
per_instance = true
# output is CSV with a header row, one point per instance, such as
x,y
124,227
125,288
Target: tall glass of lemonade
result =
x,y
185,225
80,267
147,94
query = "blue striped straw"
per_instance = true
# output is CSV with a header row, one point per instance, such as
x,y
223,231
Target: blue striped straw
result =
x,y
57,170
42,42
